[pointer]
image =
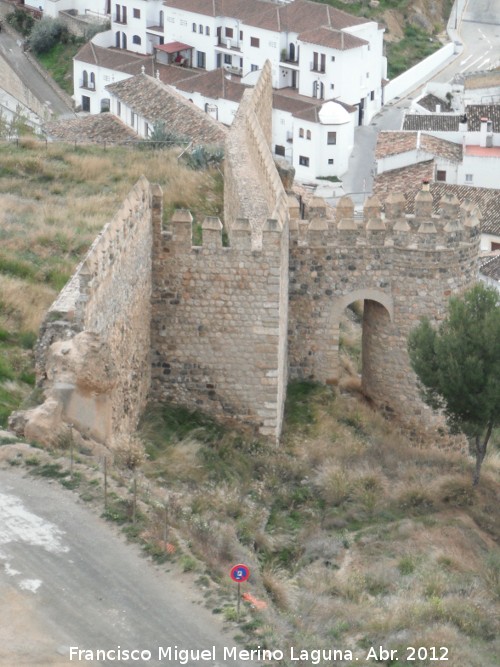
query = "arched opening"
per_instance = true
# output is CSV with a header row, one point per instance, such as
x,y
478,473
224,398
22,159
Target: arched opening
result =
x,y
292,52
124,40
363,341
85,79
92,80
117,39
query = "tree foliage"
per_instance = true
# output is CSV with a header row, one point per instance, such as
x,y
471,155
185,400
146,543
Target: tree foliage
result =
x,y
458,365
46,34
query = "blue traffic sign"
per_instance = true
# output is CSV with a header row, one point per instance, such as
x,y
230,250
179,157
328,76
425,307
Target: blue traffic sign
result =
x,y
240,572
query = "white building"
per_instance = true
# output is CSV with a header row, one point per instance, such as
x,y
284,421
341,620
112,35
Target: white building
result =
x,y
317,53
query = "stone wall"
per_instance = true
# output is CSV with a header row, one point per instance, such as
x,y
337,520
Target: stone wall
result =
x,y
80,25
216,332
403,267
219,328
93,356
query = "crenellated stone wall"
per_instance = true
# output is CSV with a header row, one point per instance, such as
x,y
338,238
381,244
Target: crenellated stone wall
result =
x,y
220,328
402,267
216,321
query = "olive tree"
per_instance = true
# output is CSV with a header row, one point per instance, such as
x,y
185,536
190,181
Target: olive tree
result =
x,y
458,366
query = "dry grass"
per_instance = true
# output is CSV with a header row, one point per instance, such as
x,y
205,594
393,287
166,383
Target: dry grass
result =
x,y
53,201
355,535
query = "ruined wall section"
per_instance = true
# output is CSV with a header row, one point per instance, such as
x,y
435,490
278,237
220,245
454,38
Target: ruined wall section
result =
x,y
93,353
403,267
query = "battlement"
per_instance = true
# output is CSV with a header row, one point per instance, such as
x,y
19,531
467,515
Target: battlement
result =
x,y
389,226
220,326
179,236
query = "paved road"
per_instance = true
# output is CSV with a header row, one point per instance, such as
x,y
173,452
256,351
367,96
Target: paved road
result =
x,y
14,57
67,580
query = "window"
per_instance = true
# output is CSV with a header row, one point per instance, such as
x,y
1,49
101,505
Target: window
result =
x,y
333,59
301,133
229,32
132,118
254,68
319,62
330,160
200,29
228,59
468,178
440,175
85,81
207,30
368,75
146,129
255,41
279,150
92,80
85,103
332,86
241,35
200,60
308,134
372,95
303,161
331,138
136,39
119,109
194,27
137,13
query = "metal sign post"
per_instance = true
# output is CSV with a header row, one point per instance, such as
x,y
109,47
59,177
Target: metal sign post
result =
x,y
239,573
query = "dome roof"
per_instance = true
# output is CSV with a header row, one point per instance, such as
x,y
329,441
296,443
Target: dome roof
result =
x,y
332,113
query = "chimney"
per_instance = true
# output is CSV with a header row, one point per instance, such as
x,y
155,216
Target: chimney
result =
x,y
483,132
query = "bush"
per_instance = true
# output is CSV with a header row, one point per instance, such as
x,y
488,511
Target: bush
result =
x,y
46,34
20,21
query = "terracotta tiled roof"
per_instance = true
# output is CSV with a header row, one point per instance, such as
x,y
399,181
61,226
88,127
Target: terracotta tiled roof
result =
x,y
150,98
409,180
431,122
394,143
477,111
98,128
303,15
487,200
430,102
449,122
442,148
214,84
490,267
298,16
172,74
335,39
117,59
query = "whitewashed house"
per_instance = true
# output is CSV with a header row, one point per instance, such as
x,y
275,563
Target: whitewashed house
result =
x,y
329,62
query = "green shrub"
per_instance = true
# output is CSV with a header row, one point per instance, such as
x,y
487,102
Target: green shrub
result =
x,y
46,34
20,21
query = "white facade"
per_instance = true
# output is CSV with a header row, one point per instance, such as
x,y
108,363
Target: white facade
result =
x,y
90,80
351,73
347,65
